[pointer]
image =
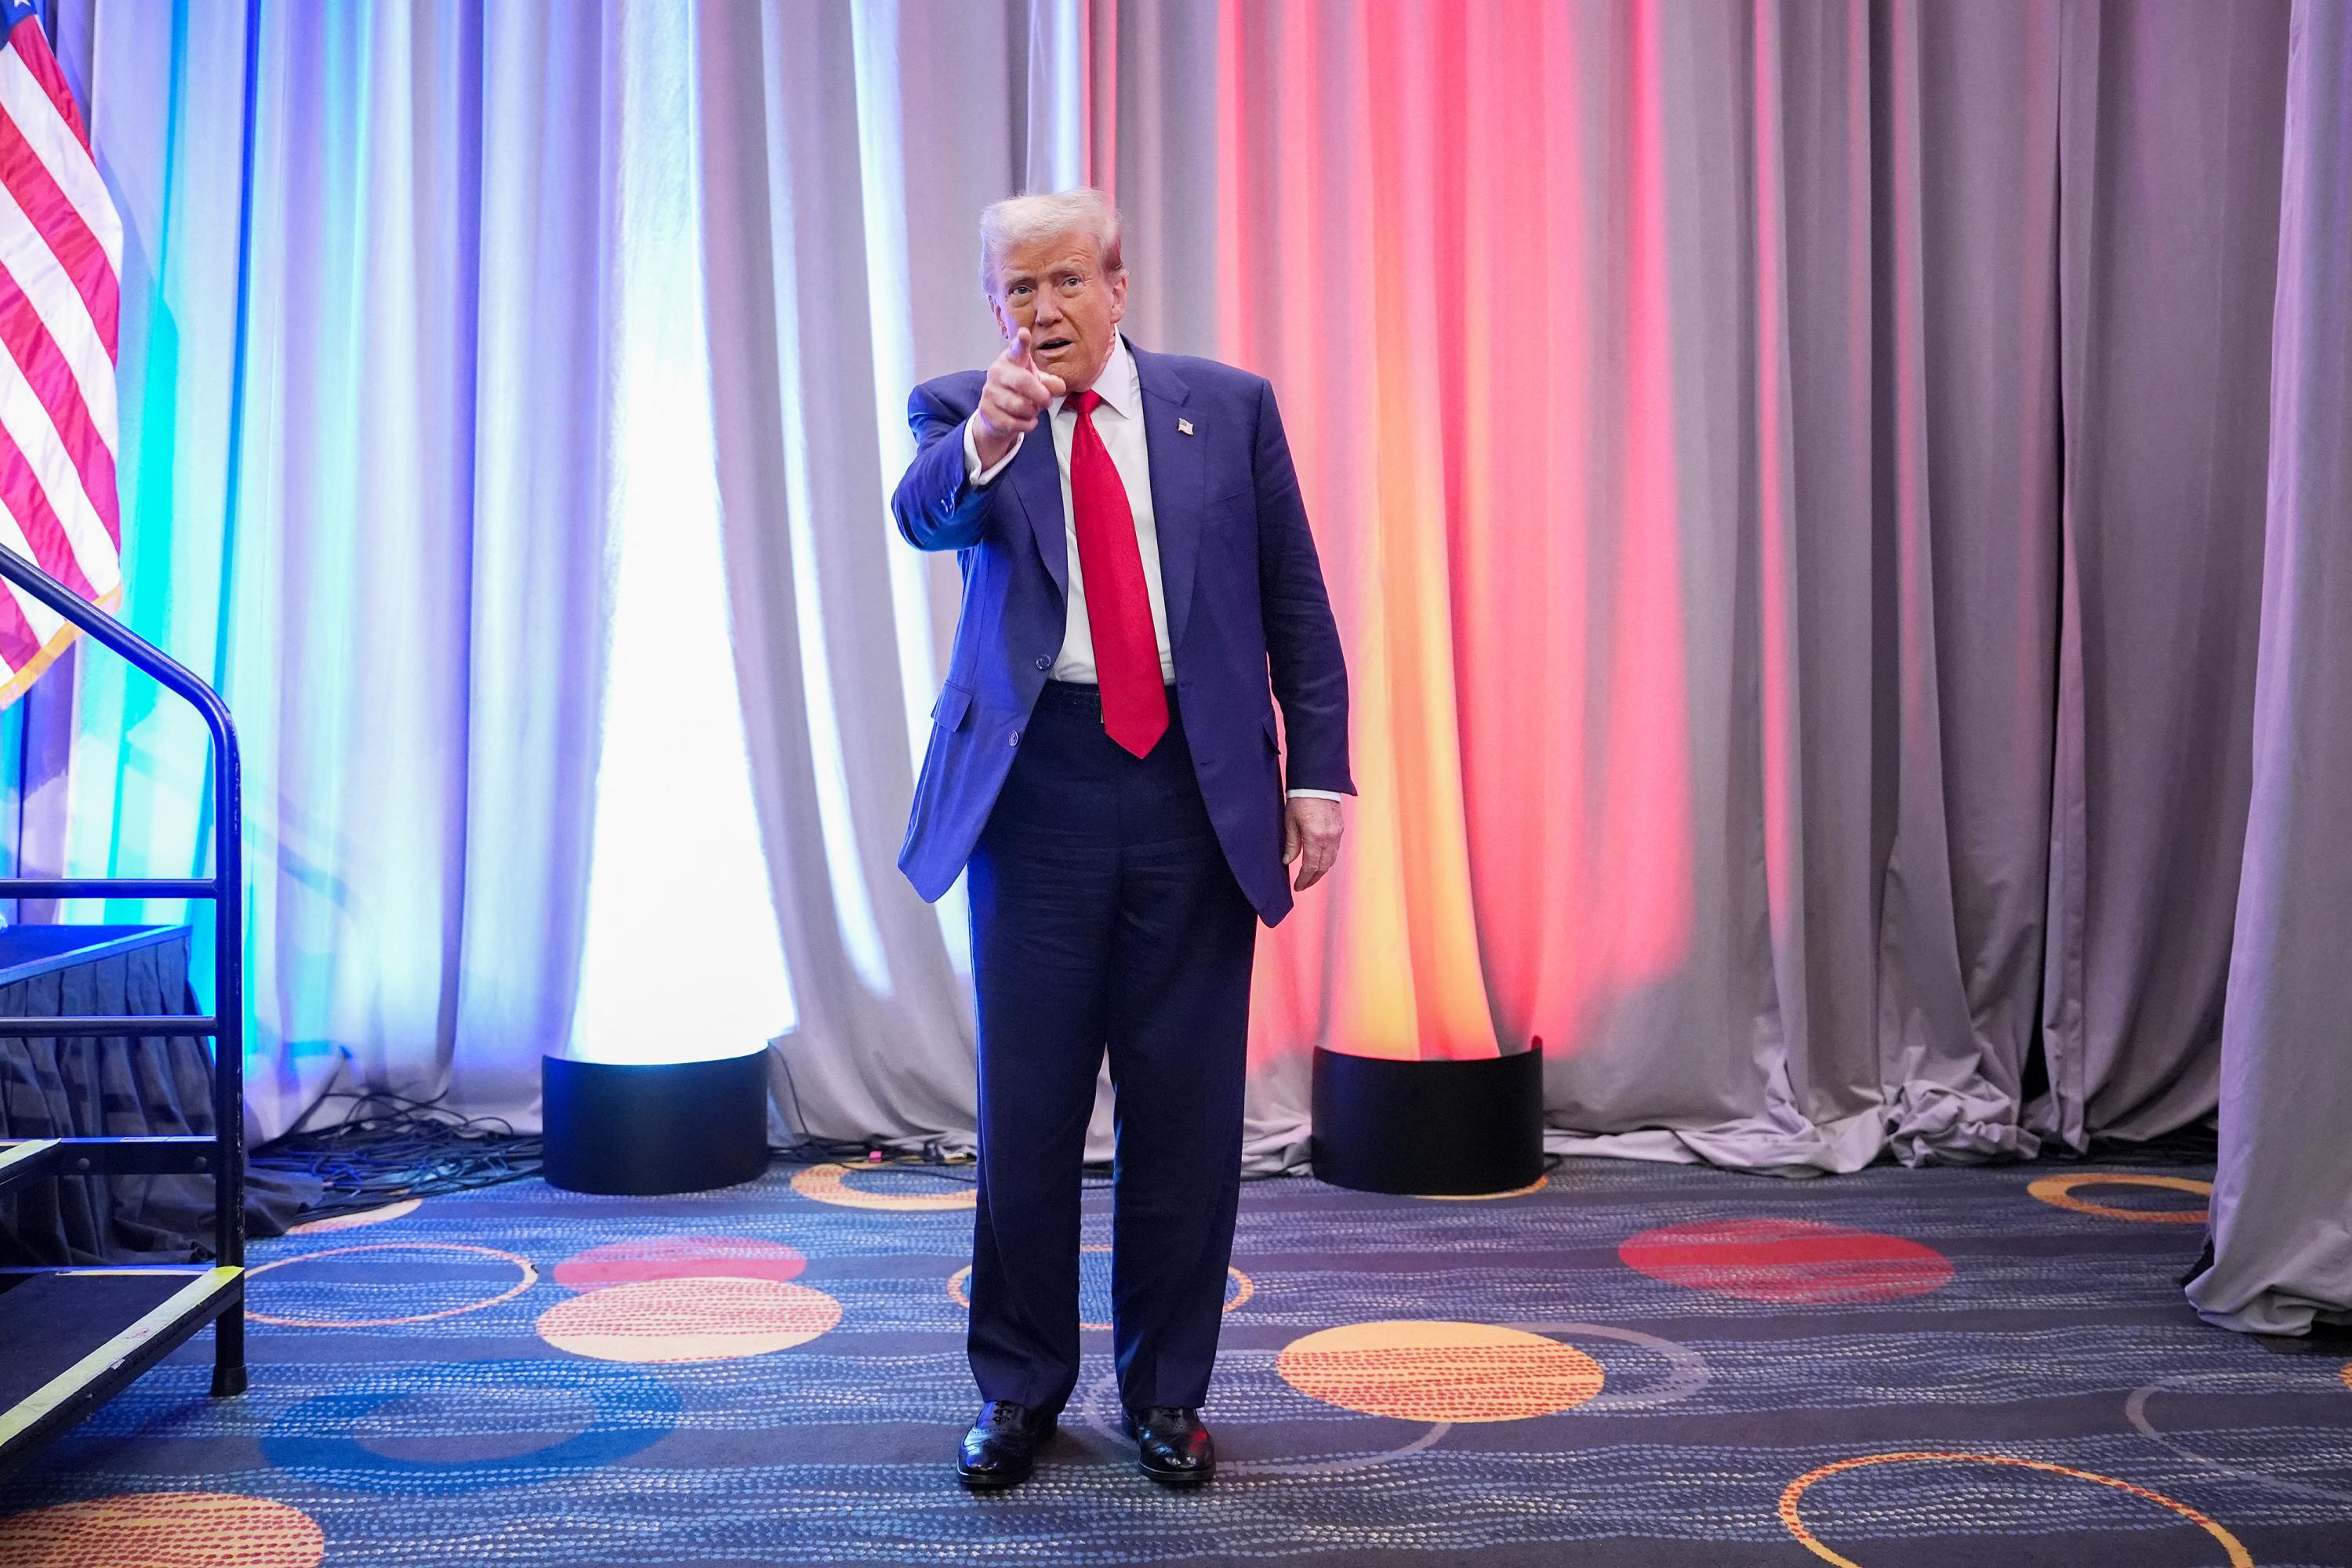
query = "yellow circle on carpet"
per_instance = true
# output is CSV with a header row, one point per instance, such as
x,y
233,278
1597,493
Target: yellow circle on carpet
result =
x,y
1538,1185
689,1319
353,1221
1423,1369
830,1185
2239,1556
2059,1191
164,1530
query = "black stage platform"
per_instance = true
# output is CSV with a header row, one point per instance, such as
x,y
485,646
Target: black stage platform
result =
x,y
109,1151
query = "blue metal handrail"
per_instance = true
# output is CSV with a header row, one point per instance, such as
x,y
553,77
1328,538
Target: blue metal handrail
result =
x,y
225,887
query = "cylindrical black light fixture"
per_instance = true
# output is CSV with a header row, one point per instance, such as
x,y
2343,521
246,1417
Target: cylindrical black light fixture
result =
x,y
1440,1128
648,1128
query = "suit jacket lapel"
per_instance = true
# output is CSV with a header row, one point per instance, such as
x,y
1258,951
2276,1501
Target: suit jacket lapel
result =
x,y
1035,476
1180,477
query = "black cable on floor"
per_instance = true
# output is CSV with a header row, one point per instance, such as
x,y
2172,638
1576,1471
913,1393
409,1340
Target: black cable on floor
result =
x,y
391,1147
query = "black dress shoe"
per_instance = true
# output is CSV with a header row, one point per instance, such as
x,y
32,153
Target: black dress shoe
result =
x,y
1002,1446
1171,1445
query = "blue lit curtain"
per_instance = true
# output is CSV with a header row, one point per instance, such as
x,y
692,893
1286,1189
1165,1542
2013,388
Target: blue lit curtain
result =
x,y
366,398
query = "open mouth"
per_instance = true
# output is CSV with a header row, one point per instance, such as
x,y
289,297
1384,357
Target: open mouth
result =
x,y
1052,345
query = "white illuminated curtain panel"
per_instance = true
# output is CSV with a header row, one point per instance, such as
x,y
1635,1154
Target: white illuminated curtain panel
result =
x,y
415,469
683,959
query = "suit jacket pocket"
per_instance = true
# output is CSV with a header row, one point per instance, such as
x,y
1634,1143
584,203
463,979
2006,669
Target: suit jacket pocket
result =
x,y
949,710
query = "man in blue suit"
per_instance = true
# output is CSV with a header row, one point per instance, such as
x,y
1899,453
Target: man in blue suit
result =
x,y
1104,758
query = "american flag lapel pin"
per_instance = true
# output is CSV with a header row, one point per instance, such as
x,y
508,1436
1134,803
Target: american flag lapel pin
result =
x,y
1184,427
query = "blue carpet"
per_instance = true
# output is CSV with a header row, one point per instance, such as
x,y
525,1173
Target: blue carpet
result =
x,y
1649,1365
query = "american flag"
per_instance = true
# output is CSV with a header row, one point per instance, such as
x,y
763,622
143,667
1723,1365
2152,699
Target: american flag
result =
x,y
61,270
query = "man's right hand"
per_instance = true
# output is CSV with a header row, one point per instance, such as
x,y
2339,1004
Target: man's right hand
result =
x,y
1015,398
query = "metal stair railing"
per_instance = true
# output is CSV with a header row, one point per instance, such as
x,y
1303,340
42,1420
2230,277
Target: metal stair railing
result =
x,y
216,1292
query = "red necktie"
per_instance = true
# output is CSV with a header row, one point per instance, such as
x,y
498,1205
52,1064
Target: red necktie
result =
x,y
1118,607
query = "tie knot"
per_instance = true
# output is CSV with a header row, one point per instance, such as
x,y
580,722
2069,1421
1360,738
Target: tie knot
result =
x,y
1087,402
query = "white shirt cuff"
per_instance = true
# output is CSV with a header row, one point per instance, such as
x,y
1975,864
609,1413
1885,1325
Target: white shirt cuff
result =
x,y
973,473
1314,794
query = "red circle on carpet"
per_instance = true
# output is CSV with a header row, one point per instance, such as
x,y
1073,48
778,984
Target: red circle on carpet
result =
x,y
679,1257
1788,1262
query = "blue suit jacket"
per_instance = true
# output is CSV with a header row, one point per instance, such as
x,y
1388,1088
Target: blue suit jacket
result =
x,y
1244,599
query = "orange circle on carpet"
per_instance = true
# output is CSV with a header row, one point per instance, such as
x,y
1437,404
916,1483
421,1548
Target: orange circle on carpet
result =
x,y
164,1530
689,1319
830,1185
354,1221
1538,1185
529,1276
2239,1556
680,1257
2059,1192
1787,1262
1427,1370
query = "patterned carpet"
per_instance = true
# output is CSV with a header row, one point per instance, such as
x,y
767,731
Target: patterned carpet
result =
x,y
1631,1365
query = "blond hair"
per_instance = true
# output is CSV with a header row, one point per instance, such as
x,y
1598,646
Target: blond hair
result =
x,y
1025,219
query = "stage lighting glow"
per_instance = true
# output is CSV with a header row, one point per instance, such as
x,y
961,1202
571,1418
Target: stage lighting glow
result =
x,y
684,960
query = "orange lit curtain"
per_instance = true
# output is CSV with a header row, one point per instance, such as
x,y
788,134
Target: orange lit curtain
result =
x,y
1790,478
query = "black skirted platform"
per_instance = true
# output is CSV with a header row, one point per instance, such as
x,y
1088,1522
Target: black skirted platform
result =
x,y
111,1086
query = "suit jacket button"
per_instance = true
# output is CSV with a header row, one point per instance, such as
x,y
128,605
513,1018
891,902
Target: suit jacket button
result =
x,y
1013,739
1044,664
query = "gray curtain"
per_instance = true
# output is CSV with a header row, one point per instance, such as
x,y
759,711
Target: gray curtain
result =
x,y
2169,149
2282,1197
1948,329
845,153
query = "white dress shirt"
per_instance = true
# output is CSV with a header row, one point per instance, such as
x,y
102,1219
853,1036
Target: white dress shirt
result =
x,y
1120,422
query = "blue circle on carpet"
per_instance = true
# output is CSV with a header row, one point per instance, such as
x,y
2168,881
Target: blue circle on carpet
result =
x,y
318,1439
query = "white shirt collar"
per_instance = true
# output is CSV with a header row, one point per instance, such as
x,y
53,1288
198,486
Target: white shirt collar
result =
x,y
1121,389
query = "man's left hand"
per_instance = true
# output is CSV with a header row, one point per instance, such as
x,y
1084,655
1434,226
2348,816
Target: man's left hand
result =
x,y
1310,835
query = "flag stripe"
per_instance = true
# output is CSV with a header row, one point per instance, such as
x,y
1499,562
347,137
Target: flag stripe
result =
x,y
21,497
18,646
44,622
60,300
52,297
63,155
59,229
89,540
52,381
30,47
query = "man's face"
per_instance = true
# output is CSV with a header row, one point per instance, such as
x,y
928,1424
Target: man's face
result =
x,y
1057,289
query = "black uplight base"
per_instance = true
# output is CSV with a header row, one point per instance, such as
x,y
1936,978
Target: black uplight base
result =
x,y
645,1129
1436,1129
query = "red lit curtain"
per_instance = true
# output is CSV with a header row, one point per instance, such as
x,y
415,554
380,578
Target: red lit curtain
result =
x,y
1791,479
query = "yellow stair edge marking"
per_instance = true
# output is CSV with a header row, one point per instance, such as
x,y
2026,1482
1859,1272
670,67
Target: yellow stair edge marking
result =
x,y
16,1421
17,1151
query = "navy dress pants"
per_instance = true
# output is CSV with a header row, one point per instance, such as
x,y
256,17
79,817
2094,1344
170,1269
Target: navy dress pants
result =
x,y
1104,917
